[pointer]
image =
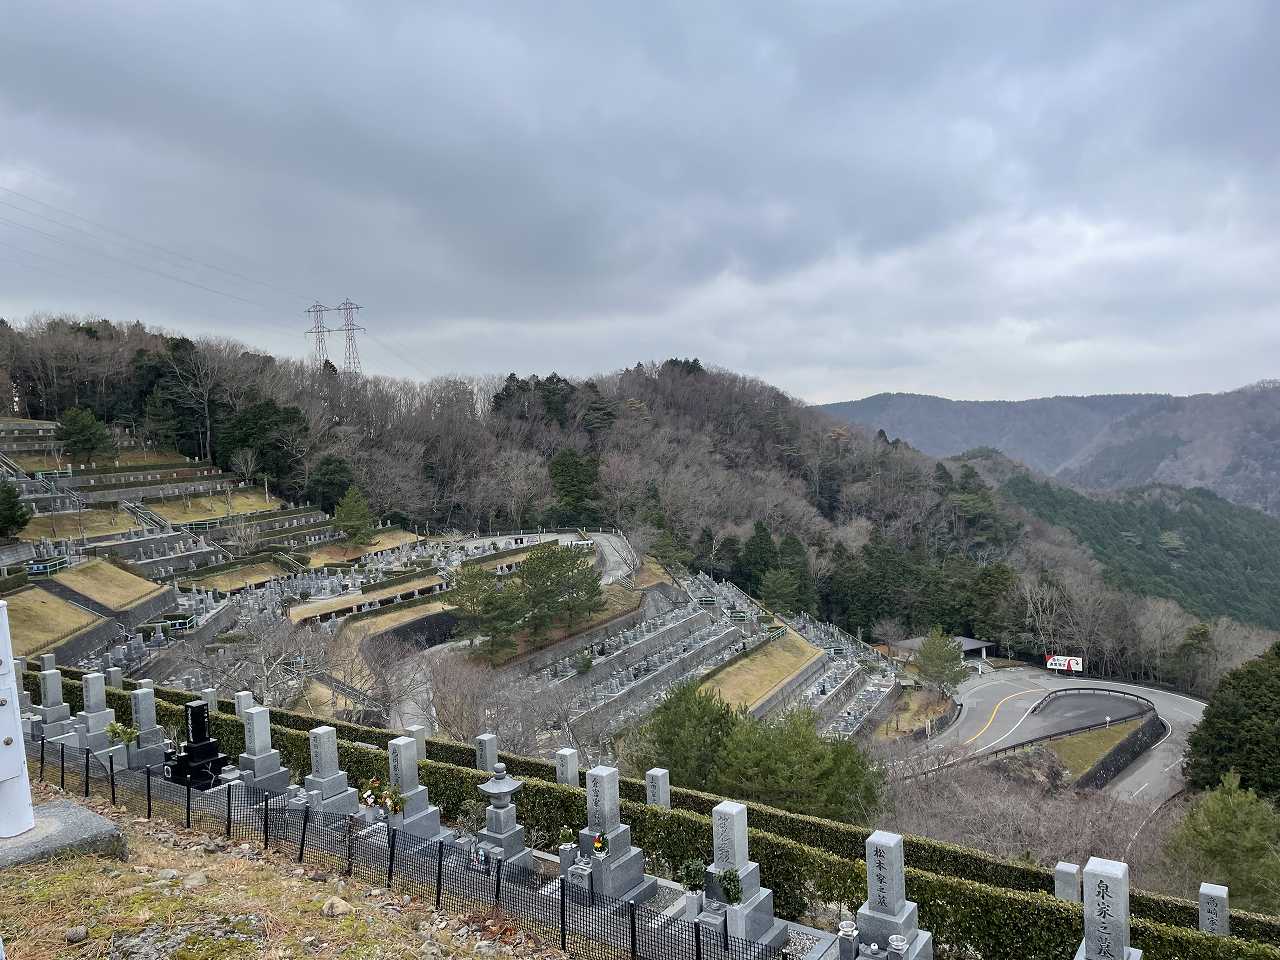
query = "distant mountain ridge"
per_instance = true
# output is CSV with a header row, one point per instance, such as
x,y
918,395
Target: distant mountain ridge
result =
x,y
1226,442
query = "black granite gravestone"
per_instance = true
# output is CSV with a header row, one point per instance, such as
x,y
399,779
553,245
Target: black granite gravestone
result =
x,y
200,759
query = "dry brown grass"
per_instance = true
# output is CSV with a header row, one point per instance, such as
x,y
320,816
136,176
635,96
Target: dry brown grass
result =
x,y
125,458
746,682
38,620
346,552
38,903
911,711
107,584
88,523
301,611
650,574
251,575
212,507
1080,752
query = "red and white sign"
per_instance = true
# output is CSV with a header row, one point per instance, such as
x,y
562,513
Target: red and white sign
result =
x,y
1064,663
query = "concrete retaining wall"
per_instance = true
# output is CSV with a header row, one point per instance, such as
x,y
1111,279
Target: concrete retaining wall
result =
x,y
633,654
82,645
829,707
881,712
782,696
1119,757
644,686
198,488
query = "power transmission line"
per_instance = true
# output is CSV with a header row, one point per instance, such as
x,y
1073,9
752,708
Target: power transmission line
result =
x,y
158,273
137,240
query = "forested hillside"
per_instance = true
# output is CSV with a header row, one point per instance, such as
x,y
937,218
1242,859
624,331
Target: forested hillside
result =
x,y
1227,442
700,467
1211,556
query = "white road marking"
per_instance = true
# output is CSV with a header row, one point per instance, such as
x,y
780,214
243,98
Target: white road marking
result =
x,y
1011,729
1141,788
1172,765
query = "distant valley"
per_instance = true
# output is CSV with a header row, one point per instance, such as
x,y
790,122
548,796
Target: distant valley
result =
x,y
1227,442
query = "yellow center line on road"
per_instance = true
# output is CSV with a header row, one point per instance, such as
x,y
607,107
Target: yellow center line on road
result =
x,y
996,709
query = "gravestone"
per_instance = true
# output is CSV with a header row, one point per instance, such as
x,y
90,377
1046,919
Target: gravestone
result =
x,y
115,678
1215,915
751,917
52,716
259,764
617,871
418,818
48,661
200,759
657,787
502,837
486,752
1066,881
419,733
326,785
147,684
1106,912
243,701
210,696
91,723
887,912
24,698
149,747
567,766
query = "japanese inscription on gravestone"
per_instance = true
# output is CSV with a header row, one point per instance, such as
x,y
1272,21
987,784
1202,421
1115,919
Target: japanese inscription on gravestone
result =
x,y
1106,909
729,835
886,873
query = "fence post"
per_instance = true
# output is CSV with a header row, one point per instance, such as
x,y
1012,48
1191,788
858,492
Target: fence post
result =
x,y
62,766
266,832
188,806
42,758
302,840
439,871
697,940
631,921
88,755
351,839
497,884
391,854
228,811
111,771
148,791
564,917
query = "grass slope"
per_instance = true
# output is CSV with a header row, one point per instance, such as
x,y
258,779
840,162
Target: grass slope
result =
x,y
1213,557
107,584
745,682
38,620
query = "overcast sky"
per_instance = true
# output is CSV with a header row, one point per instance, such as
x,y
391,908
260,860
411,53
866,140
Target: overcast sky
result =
x,y
974,200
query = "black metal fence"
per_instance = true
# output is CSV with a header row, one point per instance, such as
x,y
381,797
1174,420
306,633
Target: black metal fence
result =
x,y
446,874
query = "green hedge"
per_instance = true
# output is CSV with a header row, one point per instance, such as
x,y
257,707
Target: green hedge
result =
x,y
13,581
363,748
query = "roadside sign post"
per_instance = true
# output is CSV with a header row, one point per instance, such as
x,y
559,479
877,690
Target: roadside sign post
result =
x,y
1071,664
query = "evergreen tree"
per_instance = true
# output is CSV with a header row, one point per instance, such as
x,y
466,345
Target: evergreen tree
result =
x,y
793,557
1250,863
940,661
353,517
330,478
487,606
14,514
778,591
1240,729
82,434
558,585
759,555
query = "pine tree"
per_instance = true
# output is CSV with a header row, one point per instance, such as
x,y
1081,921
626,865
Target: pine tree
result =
x,y
778,590
82,434
758,556
940,661
14,514
558,584
353,517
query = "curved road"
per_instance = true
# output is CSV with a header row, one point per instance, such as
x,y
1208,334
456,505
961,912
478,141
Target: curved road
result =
x,y
997,713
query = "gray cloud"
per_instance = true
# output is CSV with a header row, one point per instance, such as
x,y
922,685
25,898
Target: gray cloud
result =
x,y
1005,199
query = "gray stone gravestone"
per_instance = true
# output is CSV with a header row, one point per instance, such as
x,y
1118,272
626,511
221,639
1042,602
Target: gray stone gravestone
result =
x,y
1106,912
149,746
210,696
617,870
147,684
486,752
418,818
53,717
567,766
419,733
1066,881
751,916
48,661
259,764
243,701
1215,913
325,780
657,787
887,912
115,678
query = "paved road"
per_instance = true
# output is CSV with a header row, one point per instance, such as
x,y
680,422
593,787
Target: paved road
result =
x,y
997,713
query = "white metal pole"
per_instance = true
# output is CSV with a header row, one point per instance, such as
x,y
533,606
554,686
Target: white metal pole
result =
x,y
15,786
